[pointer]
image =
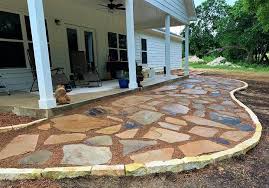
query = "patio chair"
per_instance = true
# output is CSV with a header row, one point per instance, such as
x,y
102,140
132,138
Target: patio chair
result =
x,y
83,71
3,85
58,75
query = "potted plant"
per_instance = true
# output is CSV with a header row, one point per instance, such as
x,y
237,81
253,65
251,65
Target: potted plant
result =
x,y
124,80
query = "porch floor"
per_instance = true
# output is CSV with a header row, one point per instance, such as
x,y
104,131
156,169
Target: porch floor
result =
x,y
190,117
30,100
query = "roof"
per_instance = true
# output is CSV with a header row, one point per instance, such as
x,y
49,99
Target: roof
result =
x,y
191,9
161,33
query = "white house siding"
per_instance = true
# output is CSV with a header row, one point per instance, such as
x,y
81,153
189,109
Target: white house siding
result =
x,y
156,51
175,8
69,12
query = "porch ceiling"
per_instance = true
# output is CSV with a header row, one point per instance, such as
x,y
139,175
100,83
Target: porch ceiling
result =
x,y
146,15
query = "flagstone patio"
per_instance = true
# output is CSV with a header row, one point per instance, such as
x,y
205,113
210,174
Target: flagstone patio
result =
x,y
187,118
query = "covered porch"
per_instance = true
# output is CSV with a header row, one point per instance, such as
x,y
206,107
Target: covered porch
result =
x,y
138,15
27,104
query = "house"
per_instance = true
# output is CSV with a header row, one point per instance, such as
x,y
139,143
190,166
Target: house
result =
x,y
52,29
153,54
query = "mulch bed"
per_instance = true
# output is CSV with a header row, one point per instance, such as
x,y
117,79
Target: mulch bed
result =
x,y
9,119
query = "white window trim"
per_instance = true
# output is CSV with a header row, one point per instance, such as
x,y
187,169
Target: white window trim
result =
x,y
144,64
24,40
118,46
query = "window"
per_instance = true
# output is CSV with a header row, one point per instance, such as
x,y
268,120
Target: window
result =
x,y
117,44
13,44
112,40
28,28
11,41
144,50
29,35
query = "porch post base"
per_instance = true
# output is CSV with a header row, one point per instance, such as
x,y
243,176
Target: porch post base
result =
x,y
133,85
47,104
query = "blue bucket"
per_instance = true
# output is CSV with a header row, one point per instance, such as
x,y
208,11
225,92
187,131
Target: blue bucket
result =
x,y
123,83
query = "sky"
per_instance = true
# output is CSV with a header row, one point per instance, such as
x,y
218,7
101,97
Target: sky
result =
x,y
198,2
178,30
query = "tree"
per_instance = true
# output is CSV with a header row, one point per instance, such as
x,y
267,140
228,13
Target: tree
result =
x,y
242,35
238,32
204,35
261,9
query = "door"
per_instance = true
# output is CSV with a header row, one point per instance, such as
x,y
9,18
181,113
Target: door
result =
x,y
72,38
89,48
81,39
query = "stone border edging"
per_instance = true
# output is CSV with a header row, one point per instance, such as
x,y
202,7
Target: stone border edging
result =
x,y
20,126
139,169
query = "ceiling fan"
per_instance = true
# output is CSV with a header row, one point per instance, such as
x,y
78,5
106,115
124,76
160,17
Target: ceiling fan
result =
x,y
112,6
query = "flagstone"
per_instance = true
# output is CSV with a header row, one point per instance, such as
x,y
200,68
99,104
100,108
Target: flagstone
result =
x,y
131,125
80,123
155,96
228,103
206,122
245,127
199,113
110,130
146,117
185,102
220,140
228,120
115,118
243,115
176,121
95,111
44,127
131,101
188,86
80,154
154,103
127,134
217,107
64,138
175,109
130,146
194,91
155,155
198,106
196,148
228,113
130,110
235,136
170,100
99,141
38,157
204,131
19,145
109,110
166,135
215,94
169,126
201,101
148,107
166,88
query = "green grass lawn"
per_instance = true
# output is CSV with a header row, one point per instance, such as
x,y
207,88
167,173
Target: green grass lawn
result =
x,y
244,67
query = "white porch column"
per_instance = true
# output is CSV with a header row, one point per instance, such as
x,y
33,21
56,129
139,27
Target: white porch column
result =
x,y
186,65
131,43
167,45
37,21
